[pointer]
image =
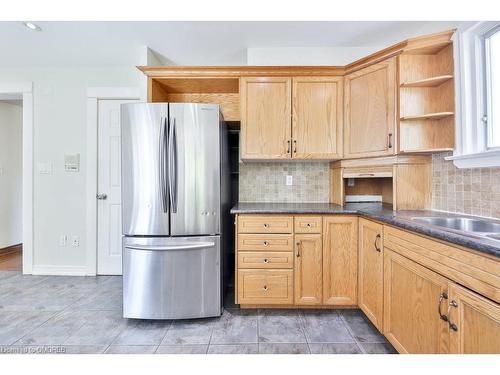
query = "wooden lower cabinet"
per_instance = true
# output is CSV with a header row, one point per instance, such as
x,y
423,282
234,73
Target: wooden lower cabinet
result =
x,y
340,260
265,287
412,295
308,269
371,271
474,323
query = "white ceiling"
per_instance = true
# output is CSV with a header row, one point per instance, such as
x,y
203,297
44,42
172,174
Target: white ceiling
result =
x,y
189,43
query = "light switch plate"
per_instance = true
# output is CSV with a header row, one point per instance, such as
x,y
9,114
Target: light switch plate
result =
x,y
289,180
44,168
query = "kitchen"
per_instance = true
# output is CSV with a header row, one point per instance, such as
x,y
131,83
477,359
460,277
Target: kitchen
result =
x,y
292,209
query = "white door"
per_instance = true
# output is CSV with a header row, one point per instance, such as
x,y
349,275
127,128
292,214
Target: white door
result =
x,y
109,225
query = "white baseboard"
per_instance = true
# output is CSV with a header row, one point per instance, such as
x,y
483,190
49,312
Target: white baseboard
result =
x,y
60,270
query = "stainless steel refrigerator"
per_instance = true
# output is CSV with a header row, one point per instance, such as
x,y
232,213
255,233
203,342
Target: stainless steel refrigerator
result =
x,y
175,197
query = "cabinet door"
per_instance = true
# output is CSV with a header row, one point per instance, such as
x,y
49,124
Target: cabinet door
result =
x,y
474,323
265,117
369,111
308,269
340,260
317,117
371,271
412,296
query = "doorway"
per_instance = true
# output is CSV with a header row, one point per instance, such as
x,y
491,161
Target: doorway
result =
x,y
109,229
11,182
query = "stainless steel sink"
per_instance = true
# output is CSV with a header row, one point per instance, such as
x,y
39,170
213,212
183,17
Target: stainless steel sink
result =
x,y
464,224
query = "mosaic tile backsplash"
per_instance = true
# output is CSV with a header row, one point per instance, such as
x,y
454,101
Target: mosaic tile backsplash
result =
x,y
469,191
266,182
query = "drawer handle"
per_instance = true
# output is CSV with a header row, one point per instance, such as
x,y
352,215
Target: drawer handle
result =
x,y
442,297
298,249
265,288
266,225
266,243
376,243
452,326
266,260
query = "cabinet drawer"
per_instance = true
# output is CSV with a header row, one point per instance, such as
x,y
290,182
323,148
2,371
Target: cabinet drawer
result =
x,y
261,259
265,287
265,224
265,242
308,224
468,268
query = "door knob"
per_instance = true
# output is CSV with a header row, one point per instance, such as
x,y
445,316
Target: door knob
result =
x,y
102,196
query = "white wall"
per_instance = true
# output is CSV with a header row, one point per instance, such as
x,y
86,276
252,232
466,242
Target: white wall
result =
x,y
307,55
60,104
11,177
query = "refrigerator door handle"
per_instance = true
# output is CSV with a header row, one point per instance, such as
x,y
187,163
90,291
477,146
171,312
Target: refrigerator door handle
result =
x,y
162,164
198,245
172,166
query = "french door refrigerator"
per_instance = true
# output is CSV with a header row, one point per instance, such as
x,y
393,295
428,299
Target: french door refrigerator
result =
x,y
174,209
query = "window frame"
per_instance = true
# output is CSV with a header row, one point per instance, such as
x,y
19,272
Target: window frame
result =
x,y
487,103
471,149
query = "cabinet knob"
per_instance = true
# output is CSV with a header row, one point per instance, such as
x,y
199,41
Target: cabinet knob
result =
x,y
266,260
265,288
308,225
266,243
266,225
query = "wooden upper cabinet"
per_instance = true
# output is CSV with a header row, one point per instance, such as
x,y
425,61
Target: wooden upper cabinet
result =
x,y
340,260
371,271
412,296
474,323
265,117
317,117
308,269
370,111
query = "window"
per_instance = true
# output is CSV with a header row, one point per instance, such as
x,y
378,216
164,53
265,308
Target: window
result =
x,y
477,77
492,87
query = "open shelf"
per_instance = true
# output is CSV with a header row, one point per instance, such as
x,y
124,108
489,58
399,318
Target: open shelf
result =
x,y
428,82
428,116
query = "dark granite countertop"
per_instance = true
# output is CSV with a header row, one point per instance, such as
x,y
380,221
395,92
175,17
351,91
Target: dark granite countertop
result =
x,y
383,213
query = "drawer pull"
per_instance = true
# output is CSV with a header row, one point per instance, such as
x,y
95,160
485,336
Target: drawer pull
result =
x,y
442,297
266,225
298,249
265,288
266,243
309,225
266,260
452,326
376,243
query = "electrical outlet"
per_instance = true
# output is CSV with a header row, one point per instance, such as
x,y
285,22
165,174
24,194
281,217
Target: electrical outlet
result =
x,y
63,240
350,182
75,241
289,180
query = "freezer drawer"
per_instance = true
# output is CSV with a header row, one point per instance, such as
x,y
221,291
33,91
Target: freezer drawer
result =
x,y
171,278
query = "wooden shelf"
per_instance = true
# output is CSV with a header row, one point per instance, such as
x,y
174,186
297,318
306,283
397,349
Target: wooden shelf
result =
x,y
428,116
428,82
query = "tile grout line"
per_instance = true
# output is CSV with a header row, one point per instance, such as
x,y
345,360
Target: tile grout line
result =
x,y
56,313
351,333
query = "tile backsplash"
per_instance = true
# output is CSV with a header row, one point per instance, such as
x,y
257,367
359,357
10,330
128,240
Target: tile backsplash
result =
x,y
266,182
469,191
